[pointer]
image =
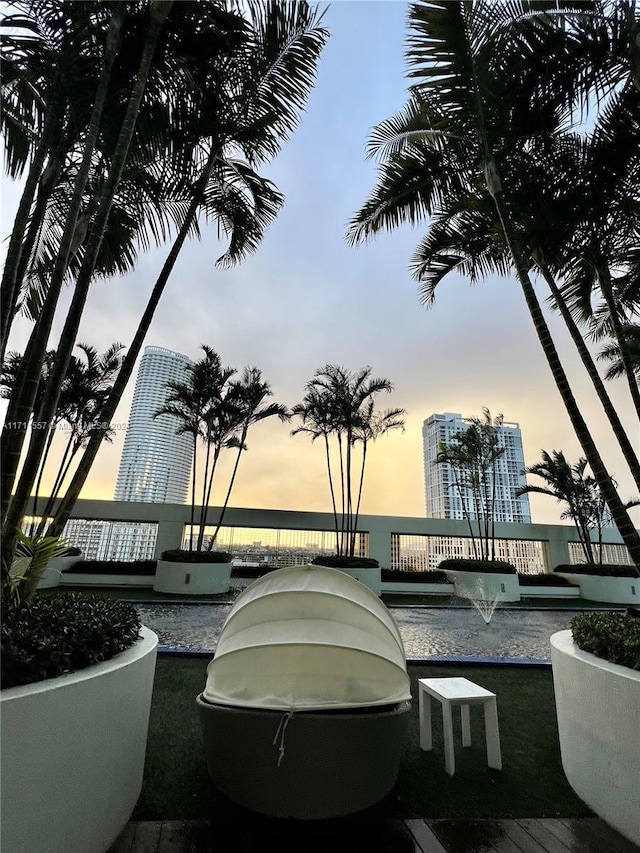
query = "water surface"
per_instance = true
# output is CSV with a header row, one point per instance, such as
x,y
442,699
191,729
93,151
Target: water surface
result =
x,y
425,631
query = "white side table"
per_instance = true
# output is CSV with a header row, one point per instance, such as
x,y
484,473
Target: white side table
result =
x,y
458,691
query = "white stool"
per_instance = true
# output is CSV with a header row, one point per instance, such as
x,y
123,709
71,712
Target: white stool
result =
x,y
458,691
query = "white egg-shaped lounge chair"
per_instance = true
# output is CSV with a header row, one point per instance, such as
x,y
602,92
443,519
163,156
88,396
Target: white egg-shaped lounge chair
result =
x,y
306,703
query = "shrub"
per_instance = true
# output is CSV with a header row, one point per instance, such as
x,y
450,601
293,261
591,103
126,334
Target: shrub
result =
x,y
543,579
344,562
177,555
614,637
252,572
606,570
113,567
488,566
54,634
401,576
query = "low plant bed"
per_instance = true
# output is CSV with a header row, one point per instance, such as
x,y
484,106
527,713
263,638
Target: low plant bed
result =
x,y
614,637
181,555
335,561
65,632
113,567
543,579
607,570
400,576
251,572
498,567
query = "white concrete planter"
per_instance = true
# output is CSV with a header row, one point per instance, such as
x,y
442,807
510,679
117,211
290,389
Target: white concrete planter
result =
x,y
87,579
489,584
73,751
53,576
598,709
549,592
369,577
614,590
192,578
408,587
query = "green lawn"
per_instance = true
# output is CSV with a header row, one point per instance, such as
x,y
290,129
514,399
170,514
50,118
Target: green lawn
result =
x,y
531,783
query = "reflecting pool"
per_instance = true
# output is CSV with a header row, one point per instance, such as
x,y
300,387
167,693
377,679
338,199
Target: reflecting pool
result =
x,y
425,631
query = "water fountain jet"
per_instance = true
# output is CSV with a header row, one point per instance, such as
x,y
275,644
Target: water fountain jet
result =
x,y
484,602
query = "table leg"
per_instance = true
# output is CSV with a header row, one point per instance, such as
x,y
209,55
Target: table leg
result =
x,y
492,734
466,728
447,724
424,705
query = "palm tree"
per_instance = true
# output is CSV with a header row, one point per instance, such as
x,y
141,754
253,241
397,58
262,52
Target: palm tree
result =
x,y
338,403
207,408
158,12
472,457
249,395
371,425
273,71
571,485
457,132
82,397
611,353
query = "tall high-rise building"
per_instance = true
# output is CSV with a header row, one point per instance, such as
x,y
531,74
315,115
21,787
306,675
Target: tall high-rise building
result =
x,y
155,463
442,497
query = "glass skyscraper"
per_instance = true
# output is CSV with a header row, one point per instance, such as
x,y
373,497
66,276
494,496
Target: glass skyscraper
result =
x,y
155,463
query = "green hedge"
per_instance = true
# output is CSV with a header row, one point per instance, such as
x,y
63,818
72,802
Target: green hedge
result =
x,y
177,555
400,576
113,567
617,570
614,637
54,634
333,561
488,566
544,579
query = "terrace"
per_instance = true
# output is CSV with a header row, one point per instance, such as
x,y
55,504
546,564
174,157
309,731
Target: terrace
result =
x,y
528,807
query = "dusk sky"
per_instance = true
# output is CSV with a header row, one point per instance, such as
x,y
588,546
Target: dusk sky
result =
x,y
306,299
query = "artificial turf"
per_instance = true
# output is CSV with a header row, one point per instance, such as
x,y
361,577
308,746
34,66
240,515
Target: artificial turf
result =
x,y
531,783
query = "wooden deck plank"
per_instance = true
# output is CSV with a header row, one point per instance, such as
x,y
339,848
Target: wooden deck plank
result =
x,y
597,830
124,842
543,835
468,836
521,837
426,840
147,836
175,836
505,844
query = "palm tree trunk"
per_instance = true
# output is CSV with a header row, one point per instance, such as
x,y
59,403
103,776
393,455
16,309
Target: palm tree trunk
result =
x,y
357,512
332,491
207,499
230,487
33,366
159,11
10,286
193,488
626,447
604,277
629,534
95,440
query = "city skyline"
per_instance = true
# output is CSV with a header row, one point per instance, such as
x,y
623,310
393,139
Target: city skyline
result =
x,y
306,299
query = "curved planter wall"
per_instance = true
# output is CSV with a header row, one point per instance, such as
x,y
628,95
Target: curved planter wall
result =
x,y
370,577
73,751
192,578
610,589
485,584
598,709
